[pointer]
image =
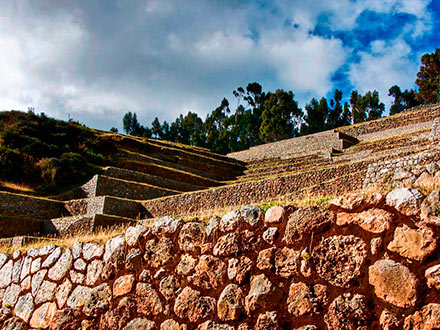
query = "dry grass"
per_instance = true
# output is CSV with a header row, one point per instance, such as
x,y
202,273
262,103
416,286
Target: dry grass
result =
x,y
100,236
20,187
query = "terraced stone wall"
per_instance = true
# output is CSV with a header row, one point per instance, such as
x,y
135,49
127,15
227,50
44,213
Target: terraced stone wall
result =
x,y
328,181
365,262
412,116
21,215
416,170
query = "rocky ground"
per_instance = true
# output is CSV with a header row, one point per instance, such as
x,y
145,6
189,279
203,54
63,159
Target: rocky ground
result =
x,y
361,262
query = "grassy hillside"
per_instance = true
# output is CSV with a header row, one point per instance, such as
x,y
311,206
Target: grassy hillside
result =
x,y
47,155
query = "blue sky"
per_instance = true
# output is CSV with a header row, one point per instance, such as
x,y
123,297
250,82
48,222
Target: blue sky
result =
x,y
95,60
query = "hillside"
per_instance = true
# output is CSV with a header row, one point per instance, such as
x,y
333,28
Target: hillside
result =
x,y
339,221
44,156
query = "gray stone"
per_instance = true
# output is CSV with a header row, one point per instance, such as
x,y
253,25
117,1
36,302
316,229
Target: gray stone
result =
x,y
94,270
46,292
76,250
98,301
11,295
140,324
6,274
26,284
24,307
114,246
78,297
62,293
270,234
76,277
26,268
16,270
79,265
166,226
3,259
36,265
231,221
16,254
212,227
37,279
251,214
62,266
405,200
92,251
52,258
45,250
14,324
133,235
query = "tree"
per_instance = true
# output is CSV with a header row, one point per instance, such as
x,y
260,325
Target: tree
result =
x,y
130,122
338,115
402,100
280,116
215,126
367,107
428,78
316,116
114,130
156,128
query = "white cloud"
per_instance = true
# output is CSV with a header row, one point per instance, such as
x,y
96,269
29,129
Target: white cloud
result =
x,y
305,63
163,58
385,65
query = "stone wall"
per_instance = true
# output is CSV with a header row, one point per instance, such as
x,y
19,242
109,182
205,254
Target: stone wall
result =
x,y
416,115
416,170
367,262
14,205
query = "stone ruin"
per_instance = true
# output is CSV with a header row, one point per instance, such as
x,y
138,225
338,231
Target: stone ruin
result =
x,y
365,262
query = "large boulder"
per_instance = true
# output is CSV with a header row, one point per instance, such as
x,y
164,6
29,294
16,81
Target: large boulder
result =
x,y
263,294
191,305
407,201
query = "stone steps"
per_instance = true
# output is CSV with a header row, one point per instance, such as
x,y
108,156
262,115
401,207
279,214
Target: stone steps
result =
x,y
209,173
85,223
161,182
106,205
101,185
318,141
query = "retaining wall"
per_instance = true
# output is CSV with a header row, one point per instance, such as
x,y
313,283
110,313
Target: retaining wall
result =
x,y
309,268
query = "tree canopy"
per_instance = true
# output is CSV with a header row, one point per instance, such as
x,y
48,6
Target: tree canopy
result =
x,y
260,117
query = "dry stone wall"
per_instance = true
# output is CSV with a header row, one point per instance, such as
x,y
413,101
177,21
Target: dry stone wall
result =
x,y
413,116
365,262
418,170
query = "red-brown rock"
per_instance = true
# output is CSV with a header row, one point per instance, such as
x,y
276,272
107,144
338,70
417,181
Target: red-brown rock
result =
x,y
372,220
267,321
416,244
304,222
262,294
393,282
123,285
355,202
287,262
192,236
347,312
148,300
210,273
265,259
432,275
338,259
388,320
275,215
158,254
430,209
428,318
191,305
227,245
230,303
304,300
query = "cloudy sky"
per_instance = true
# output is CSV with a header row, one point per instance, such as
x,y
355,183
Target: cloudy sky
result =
x,y
94,60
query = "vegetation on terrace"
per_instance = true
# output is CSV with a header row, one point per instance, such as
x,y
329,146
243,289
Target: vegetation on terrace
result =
x,y
44,156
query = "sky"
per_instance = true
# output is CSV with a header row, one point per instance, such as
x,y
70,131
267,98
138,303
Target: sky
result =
x,y
94,60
